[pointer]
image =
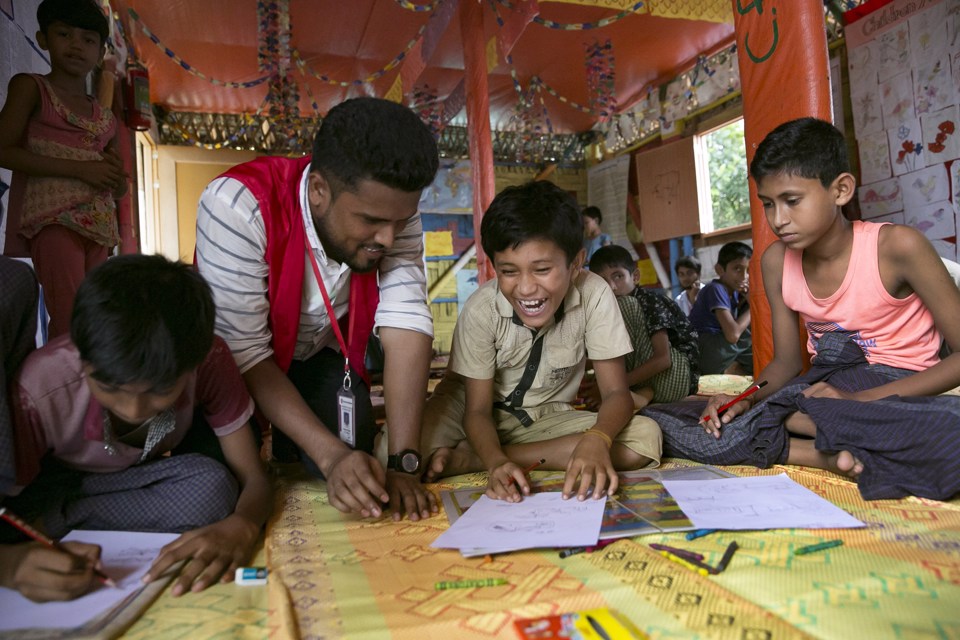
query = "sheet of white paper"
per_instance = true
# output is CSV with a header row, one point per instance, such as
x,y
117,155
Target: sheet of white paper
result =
x,y
764,502
125,556
540,520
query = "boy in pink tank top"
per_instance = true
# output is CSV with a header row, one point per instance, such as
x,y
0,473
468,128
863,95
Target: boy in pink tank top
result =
x,y
62,148
883,287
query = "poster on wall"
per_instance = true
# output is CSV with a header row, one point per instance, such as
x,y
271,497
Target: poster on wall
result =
x,y
607,189
904,63
451,191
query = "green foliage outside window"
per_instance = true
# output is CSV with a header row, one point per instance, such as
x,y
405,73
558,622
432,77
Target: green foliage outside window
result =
x,y
727,162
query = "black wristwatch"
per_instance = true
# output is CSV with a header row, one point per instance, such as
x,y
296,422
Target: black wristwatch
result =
x,y
407,461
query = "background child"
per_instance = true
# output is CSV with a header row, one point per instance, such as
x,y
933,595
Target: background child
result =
x,y
875,299
519,350
664,364
721,314
61,146
688,270
593,236
97,412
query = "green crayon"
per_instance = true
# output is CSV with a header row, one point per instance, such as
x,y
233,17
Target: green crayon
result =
x,y
829,544
467,584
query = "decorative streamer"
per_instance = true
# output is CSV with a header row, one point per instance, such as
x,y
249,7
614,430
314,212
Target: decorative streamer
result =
x,y
187,66
409,6
600,80
585,26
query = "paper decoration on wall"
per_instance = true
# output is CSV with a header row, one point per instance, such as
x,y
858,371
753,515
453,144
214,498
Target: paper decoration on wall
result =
x,y
928,34
955,185
863,63
924,187
874,157
906,147
932,85
647,273
895,218
936,221
896,95
940,135
438,243
865,101
894,49
880,198
945,249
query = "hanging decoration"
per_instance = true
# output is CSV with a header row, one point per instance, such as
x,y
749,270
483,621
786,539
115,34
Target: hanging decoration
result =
x,y
274,58
584,26
600,79
410,6
186,66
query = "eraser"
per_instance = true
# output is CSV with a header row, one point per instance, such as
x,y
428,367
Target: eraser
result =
x,y
251,575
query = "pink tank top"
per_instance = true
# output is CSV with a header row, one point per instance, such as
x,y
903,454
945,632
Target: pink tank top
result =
x,y
898,333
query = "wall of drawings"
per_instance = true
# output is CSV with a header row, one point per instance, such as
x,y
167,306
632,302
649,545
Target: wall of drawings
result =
x,y
904,61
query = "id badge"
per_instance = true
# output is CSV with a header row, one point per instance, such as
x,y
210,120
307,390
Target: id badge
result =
x,y
345,417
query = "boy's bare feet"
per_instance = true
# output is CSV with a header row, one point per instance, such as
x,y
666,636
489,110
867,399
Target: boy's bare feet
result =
x,y
845,464
803,452
447,461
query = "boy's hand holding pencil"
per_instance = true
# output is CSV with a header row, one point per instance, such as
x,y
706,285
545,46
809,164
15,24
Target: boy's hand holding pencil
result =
x,y
508,480
721,409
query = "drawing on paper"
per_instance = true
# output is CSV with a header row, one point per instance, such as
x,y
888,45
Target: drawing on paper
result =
x,y
880,198
906,147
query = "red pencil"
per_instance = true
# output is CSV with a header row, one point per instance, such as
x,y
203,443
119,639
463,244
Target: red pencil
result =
x,y
749,391
16,522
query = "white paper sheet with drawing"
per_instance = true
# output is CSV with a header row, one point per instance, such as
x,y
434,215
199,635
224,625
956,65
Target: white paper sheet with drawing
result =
x,y
125,557
540,520
764,502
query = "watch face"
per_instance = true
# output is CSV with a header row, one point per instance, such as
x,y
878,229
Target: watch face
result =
x,y
410,462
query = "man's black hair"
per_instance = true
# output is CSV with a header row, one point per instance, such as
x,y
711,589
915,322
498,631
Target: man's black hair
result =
x,y
535,210
612,256
142,319
595,213
690,262
374,139
82,14
733,251
806,148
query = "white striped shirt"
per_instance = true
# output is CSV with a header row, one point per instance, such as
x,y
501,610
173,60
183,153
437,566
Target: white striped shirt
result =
x,y
231,248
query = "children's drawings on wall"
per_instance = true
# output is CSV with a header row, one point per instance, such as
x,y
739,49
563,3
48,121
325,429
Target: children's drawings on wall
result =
x,y
924,187
945,249
936,221
896,95
874,157
906,147
764,502
895,218
940,135
933,87
880,198
894,49
928,34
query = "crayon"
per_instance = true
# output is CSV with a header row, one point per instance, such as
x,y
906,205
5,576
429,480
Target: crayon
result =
x,y
727,556
467,584
699,533
14,520
752,389
683,553
689,564
810,548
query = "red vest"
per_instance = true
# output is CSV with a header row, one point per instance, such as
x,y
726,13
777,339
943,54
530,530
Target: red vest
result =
x,y
275,184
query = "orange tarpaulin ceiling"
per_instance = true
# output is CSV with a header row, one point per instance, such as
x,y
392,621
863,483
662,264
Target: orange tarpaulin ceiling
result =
x,y
350,40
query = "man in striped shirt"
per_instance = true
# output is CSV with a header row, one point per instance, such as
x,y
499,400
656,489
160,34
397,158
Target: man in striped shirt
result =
x,y
283,242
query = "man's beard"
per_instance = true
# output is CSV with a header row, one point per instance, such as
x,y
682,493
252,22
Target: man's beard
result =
x,y
334,252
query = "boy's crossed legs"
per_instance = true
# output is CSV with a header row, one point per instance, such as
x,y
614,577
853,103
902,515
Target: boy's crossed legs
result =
x,y
803,452
552,437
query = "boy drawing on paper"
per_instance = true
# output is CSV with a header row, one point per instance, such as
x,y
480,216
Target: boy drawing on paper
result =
x,y
875,300
721,314
664,363
519,349
97,412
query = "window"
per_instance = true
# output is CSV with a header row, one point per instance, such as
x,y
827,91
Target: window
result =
x,y
146,193
722,152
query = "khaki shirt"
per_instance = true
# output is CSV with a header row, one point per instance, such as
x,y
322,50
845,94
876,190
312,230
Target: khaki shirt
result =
x,y
489,343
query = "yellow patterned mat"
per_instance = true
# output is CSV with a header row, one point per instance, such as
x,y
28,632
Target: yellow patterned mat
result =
x,y
346,578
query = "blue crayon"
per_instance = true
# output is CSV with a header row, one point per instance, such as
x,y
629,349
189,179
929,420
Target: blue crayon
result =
x,y
699,533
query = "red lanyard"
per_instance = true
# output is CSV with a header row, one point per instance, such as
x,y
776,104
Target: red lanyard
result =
x,y
331,315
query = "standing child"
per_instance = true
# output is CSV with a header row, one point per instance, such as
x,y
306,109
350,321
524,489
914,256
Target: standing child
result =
x,y
721,315
875,300
593,235
688,270
61,146
96,414
664,364
519,350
